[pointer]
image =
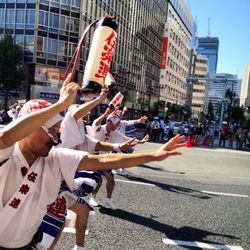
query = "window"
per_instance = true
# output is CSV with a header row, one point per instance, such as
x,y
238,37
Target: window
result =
x,y
29,44
10,18
54,22
62,51
30,19
20,19
64,23
2,12
19,40
41,46
43,18
51,48
74,25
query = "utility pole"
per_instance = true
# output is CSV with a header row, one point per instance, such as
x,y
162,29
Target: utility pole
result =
x,y
231,105
190,80
223,103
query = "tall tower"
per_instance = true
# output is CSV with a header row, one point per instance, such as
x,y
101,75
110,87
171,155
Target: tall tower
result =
x,y
209,46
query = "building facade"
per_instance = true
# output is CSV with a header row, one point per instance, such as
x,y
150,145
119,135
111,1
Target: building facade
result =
x,y
49,31
245,89
181,30
200,88
218,87
209,46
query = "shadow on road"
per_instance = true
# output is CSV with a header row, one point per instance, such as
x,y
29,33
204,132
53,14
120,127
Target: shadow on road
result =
x,y
158,169
172,188
184,233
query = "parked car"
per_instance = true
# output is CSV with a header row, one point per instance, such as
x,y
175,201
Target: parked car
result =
x,y
176,127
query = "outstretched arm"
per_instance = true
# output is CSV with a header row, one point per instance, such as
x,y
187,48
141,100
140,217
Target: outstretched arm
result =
x,y
26,125
141,119
114,161
97,122
107,146
83,109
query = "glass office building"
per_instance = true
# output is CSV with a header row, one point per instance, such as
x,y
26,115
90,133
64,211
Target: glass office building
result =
x,y
48,32
209,46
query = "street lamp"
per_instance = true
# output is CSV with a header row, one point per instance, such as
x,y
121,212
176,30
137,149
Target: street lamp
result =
x,y
189,95
231,104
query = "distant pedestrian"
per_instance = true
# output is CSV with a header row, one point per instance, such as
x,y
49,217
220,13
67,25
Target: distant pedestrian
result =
x,y
155,125
223,134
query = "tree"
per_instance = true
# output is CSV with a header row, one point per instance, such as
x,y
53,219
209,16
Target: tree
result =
x,y
238,115
11,65
210,112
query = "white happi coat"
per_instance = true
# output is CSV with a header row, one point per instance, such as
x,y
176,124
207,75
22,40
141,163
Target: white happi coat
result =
x,y
24,200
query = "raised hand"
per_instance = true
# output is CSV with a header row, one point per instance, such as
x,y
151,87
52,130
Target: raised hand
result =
x,y
143,118
144,139
103,95
128,144
170,146
173,143
68,92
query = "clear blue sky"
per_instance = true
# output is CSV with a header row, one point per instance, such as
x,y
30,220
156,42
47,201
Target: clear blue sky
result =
x,y
230,22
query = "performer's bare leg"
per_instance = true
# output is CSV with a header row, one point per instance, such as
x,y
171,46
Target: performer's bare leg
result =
x,y
82,212
110,184
96,189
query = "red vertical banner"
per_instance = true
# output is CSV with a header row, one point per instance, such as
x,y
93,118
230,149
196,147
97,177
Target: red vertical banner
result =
x,y
164,53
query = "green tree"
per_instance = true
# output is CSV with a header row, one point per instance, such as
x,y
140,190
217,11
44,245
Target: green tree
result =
x,y
11,65
238,115
210,112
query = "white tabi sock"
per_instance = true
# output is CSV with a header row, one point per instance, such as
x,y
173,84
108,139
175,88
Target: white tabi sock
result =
x,y
79,248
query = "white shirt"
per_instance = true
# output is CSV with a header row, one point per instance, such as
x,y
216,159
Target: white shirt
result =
x,y
60,164
100,133
123,125
73,134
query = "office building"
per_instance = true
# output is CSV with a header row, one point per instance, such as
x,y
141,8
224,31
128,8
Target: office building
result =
x,y
209,46
245,88
48,32
200,88
180,28
218,87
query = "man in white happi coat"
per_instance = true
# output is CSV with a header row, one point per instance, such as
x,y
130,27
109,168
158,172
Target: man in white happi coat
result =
x,y
129,125
73,136
31,170
108,132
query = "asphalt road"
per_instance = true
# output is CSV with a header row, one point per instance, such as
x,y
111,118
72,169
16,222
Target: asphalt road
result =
x,y
202,196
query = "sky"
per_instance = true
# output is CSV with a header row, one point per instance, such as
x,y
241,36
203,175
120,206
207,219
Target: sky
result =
x,y
230,22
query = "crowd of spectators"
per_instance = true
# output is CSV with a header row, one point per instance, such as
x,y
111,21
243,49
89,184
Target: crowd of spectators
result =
x,y
234,137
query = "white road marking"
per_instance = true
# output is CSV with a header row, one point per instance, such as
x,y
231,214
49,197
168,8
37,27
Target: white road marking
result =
x,y
200,244
136,182
226,194
72,230
241,178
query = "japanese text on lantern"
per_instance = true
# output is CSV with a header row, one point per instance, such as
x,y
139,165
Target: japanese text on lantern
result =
x,y
106,56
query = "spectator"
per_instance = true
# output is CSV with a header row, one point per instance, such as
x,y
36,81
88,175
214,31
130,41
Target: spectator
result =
x,y
223,134
155,125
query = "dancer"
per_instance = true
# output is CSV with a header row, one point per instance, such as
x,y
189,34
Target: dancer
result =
x,y
108,133
73,136
31,170
129,125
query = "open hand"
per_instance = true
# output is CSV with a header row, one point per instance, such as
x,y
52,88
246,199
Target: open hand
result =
x,y
144,139
168,149
128,144
143,118
68,92
103,95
